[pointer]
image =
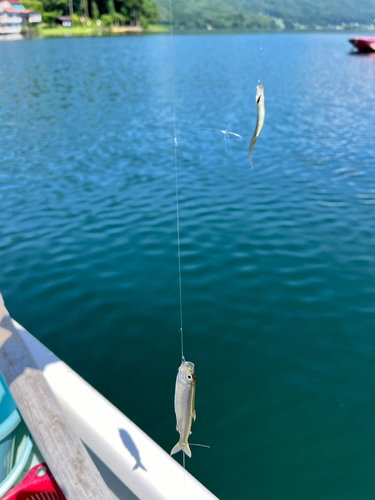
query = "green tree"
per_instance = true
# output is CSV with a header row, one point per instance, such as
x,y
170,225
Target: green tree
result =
x,y
134,11
55,5
111,7
76,21
106,20
95,14
118,18
149,11
33,5
50,17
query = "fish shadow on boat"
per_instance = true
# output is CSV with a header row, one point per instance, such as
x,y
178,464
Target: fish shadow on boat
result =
x,y
132,449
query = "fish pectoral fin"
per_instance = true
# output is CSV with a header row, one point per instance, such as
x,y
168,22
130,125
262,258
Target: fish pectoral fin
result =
x,y
194,415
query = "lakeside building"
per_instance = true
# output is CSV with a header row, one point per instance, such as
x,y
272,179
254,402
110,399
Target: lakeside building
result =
x,y
14,17
65,21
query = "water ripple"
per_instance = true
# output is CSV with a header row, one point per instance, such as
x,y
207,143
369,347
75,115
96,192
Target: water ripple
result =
x,y
277,262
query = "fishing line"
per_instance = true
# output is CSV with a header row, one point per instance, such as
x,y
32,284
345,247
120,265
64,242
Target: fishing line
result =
x,y
239,8
176,181
175,145
177,206
183,465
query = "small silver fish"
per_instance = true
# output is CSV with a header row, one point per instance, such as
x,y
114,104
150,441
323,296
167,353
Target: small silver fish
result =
x,y
259,99
184,405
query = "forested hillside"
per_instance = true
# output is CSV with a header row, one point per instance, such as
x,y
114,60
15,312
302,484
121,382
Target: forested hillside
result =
x,y
265,13
109,12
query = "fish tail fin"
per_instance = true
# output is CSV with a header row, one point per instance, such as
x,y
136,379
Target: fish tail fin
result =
x,y
251,163
181,446
186,449
176,448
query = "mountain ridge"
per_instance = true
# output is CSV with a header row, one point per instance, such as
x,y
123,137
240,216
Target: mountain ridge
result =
x,y
275,14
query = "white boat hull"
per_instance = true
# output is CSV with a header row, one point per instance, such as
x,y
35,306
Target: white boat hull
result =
x,y
131,463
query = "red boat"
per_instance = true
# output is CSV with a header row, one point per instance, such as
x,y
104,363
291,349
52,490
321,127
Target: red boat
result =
x,y
364,44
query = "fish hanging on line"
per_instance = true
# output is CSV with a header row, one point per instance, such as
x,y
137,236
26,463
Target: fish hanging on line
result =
x,y
259,99
184,405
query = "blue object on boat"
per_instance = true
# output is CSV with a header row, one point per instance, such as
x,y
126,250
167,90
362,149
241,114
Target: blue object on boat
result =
x,y
9,419
12,436
18,468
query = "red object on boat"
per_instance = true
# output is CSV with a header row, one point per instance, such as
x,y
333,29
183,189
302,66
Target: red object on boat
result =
x,y
37,484
364,44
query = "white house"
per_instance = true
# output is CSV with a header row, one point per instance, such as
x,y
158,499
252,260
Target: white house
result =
x,y
14,16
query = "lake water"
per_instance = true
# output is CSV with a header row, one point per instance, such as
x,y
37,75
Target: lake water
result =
x,y
278,262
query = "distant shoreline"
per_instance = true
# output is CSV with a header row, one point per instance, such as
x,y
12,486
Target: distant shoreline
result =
x,y
78,31
81,31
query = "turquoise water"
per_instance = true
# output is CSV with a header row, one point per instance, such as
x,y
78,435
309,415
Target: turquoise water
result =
x,y
278,262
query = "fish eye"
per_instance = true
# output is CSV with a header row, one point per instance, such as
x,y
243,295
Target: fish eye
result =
x,y
189,377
